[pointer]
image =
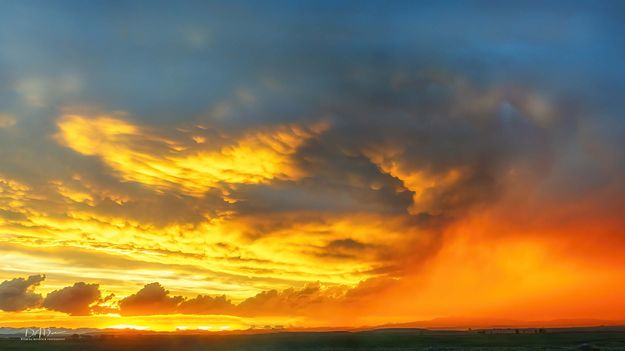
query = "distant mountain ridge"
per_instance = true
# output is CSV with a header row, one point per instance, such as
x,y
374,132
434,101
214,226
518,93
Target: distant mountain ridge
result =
x,y
477,323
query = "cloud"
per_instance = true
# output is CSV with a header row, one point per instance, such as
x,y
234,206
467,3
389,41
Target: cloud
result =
x,y
203,304
155,299
138,154
39,91
7,120
358,198
344,248
75,300
290,301
151,299
445,146
447,140
18,295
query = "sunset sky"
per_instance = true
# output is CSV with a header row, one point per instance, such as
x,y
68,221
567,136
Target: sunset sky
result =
x,y
227,165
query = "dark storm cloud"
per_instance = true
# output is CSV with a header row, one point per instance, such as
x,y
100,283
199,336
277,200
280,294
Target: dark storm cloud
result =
x,y
349,244
18,295
346,248
75,300
336,61
151,299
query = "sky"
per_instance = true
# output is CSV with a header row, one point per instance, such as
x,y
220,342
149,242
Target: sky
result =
x,y
228,165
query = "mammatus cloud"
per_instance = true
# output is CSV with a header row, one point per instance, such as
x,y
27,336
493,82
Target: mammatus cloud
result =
x,y
18,295
75,299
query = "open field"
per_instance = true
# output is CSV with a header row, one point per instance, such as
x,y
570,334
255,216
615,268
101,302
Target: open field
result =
x,y
410,339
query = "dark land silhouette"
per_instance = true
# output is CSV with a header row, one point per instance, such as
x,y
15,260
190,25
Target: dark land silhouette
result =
x,y
595,338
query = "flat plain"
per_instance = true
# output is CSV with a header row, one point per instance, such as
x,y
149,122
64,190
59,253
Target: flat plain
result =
x,y
379,340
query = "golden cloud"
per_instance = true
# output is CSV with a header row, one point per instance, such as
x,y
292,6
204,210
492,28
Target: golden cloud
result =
x,y
142,155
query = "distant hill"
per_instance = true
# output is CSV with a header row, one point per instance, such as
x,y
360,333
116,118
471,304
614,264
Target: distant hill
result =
x,y
467,323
